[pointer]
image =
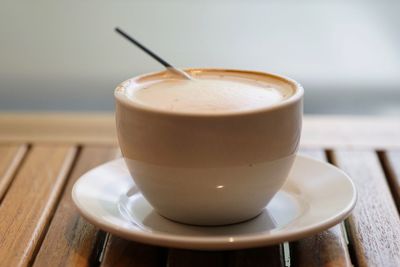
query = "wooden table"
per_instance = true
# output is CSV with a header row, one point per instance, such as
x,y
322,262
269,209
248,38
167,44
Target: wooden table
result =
x,y
41,156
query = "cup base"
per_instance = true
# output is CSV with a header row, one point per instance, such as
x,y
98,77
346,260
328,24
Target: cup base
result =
x,y
211,223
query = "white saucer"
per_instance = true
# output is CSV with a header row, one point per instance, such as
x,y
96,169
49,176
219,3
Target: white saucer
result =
x,y
315,197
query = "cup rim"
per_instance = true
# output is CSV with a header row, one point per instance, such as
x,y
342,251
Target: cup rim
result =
x,y
297,95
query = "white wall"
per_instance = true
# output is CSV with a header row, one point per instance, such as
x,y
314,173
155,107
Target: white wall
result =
x,y
65,55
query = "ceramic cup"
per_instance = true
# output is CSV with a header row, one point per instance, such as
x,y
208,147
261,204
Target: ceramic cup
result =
x,y
210,169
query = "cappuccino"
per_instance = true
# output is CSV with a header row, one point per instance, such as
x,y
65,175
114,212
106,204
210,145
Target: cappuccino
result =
x,y
207,94
212,150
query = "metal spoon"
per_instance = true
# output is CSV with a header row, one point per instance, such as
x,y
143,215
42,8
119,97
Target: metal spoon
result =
x,y
168,66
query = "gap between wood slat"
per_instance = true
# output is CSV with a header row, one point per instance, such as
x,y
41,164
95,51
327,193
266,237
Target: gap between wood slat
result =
x,y
331,159
11,166
99,248
345,225
57,200
390,162
286,255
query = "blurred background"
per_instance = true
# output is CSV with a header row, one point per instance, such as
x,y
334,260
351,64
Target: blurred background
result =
x,y
65,56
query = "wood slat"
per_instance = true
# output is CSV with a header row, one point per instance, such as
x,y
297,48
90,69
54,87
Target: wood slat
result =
x,y
391,160
10,159
30,202
328,248
95,128
71,128
70,240
373,227
124,253
351,132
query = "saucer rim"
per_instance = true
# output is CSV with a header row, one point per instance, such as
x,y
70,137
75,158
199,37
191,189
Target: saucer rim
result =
x,y
218,243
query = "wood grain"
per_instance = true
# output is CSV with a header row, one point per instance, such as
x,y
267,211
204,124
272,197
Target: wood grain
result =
x,y
391,161
328,248
30,202
124,253
10,159
95,128
70,240
374,224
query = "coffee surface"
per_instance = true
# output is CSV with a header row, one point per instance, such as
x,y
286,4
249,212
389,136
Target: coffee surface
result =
x,y
206,95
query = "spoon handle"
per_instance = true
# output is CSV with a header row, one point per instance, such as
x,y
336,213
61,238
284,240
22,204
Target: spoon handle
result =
x,y
153,55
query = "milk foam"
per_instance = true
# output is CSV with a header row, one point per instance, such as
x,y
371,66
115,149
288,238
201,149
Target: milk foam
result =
x,y
206,95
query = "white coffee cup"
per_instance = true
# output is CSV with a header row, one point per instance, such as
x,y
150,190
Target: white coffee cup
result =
x,y
209,168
